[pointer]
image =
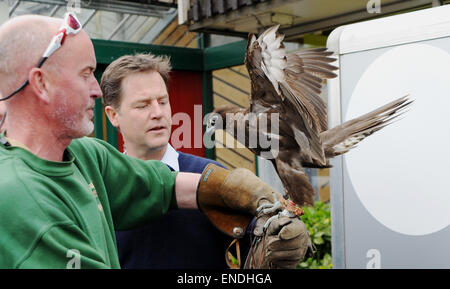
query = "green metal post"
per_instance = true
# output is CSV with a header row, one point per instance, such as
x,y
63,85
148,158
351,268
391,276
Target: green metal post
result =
x,y
112,136
98,109
208,107
207,92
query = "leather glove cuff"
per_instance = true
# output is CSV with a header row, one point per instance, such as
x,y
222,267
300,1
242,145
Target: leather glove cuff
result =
x,y
230,198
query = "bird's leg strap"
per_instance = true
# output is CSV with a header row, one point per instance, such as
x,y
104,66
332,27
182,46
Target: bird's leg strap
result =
x,y
291,207
280,204
256,238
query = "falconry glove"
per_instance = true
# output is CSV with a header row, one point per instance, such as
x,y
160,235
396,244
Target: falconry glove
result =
x,y
283,245
230,198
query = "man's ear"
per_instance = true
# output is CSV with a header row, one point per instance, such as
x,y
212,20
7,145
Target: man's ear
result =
x,y
39,84
112,115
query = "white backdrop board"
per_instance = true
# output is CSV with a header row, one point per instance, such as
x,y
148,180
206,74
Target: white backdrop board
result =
x,y
390,196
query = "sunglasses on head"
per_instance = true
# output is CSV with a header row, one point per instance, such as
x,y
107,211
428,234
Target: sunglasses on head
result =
x,y
71,25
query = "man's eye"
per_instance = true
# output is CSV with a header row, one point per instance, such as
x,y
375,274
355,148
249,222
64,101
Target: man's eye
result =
x,y
142,106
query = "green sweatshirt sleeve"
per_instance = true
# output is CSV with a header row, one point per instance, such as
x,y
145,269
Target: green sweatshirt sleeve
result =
x,y
64,246
136,191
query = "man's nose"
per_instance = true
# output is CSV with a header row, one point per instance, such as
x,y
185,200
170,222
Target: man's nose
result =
x,y
155,110
96,92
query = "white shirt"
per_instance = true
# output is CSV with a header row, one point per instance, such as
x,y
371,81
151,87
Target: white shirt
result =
x,y
171,158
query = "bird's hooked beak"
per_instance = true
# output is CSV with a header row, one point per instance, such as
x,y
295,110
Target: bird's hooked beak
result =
x,y
251,39
213,122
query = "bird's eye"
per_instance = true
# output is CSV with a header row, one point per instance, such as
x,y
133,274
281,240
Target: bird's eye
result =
x,y
213,120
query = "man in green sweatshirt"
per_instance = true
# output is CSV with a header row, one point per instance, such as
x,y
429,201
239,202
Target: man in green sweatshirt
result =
x,y
62,194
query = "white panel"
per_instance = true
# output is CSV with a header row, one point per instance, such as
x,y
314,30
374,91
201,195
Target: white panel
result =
x,y
405,28
400,172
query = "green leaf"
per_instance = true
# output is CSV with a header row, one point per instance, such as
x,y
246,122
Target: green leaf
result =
x,y
318,223
319,234
318,241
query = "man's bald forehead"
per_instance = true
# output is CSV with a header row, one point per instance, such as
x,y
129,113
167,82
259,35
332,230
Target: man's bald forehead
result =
x,y
23,40
31,33
23,22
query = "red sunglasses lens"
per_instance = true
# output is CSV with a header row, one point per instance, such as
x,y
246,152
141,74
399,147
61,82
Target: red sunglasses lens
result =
x,y
73,23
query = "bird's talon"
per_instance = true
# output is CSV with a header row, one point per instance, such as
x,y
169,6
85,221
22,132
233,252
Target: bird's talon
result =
x,y
266,225
262,207
272,208
286,213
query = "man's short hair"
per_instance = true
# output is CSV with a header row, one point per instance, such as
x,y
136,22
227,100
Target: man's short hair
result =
x,y
111,83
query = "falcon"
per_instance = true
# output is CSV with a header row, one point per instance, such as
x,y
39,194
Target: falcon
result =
x,y
288,86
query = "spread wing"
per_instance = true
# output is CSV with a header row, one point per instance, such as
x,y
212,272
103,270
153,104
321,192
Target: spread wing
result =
x,y
290,84
304,73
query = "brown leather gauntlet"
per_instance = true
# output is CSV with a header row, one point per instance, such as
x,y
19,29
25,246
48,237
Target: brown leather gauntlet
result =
x,y
282,246
230,198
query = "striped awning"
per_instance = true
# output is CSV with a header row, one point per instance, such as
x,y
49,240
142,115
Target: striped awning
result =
x,y
296,17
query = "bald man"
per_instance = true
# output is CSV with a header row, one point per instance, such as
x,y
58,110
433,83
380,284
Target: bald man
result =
x,y
63,194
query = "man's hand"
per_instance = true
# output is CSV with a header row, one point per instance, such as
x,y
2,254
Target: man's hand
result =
x,y
282,246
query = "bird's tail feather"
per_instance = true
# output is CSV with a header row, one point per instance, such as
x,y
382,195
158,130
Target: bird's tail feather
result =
x,y
341,139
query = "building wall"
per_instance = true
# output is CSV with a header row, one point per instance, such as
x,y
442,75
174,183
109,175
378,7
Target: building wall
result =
x,y
231,86
177,35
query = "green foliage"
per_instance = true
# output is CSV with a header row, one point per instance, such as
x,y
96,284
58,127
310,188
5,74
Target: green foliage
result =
x,y
318,223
